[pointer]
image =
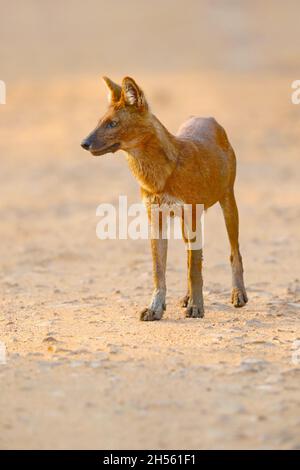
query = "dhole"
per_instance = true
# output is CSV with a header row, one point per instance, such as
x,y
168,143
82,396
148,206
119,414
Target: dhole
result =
x,y
197,166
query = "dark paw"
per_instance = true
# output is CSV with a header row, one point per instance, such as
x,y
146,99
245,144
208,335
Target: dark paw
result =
x,y
184,301
194,312
150,315
238,297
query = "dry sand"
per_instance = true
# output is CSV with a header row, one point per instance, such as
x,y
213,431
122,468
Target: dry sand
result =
x,y
82,371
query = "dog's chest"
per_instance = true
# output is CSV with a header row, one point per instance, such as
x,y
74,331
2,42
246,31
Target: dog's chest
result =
x,y
163,200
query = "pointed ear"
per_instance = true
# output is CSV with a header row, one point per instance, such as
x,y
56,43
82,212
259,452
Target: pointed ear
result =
x,y
115,90
132,94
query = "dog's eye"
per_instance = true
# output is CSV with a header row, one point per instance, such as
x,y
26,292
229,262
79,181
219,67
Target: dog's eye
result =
x,y
111,124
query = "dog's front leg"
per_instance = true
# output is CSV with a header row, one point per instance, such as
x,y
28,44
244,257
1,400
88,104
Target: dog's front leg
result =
x,y
159,247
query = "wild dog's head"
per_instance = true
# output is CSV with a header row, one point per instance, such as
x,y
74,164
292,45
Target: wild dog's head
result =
x,y
125,123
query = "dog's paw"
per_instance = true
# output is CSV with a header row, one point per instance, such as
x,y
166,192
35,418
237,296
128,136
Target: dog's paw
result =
x,y
238,297
151,315
194,311
185,301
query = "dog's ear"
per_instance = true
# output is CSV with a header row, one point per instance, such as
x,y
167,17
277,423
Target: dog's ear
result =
x,y
115,90
132,94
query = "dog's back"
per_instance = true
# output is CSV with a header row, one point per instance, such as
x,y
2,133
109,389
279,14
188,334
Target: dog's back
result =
x,y
205,130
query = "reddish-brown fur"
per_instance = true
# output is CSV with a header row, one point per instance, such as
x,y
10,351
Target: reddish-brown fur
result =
x,y
197,166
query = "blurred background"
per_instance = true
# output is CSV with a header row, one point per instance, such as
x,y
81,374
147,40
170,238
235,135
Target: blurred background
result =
x,y
68,38
231,59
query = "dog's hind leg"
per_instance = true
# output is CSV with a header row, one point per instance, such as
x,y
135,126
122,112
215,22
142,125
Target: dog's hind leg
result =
x,y
193,301
195,308
230,211
185,300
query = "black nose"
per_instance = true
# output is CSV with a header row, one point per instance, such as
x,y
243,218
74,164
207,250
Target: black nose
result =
x,y
85,144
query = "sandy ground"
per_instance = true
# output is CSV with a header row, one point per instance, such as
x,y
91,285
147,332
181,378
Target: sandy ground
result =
x,y
82,371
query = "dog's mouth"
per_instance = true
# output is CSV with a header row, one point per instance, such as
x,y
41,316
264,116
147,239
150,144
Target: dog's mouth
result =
x,y
110,149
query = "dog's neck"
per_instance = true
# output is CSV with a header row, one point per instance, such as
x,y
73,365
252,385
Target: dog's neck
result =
x,y
153,159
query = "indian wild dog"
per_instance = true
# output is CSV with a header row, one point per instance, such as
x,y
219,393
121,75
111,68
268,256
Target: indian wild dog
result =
x,y
197,166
